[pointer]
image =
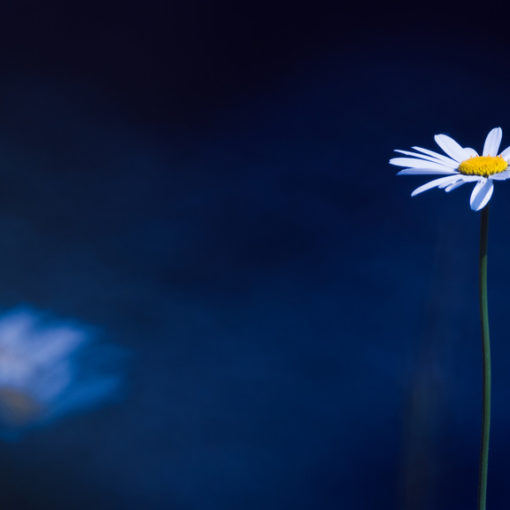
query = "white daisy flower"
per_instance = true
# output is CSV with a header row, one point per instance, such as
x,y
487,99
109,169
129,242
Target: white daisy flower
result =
x,y
48,369
461,165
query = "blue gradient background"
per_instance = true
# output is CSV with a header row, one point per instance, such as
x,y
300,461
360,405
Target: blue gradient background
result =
x,y
208,184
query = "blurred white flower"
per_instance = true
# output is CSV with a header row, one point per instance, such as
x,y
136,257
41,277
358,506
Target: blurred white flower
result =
x,y
49,368
460,166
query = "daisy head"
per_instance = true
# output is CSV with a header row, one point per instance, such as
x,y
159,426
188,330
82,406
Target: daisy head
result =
x,y
459,166
47,369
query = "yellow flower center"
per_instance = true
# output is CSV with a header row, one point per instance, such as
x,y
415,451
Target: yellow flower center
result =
x,y
483,165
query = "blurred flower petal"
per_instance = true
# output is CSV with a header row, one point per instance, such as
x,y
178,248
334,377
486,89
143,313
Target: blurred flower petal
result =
x,y
50,368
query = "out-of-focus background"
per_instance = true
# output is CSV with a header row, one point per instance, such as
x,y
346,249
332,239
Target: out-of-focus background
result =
x,y
206,186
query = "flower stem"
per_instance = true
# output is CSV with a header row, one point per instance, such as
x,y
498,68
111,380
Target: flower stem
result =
x,y
486,349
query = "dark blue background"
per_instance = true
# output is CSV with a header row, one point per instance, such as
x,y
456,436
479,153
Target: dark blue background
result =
x,y
208,183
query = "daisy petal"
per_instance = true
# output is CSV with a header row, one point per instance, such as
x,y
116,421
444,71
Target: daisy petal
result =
x,y
418,163
502,176
447,161
455,185
424,171
435,183
491,145
455,178
470,153
451,147
463,179
481,194
506,154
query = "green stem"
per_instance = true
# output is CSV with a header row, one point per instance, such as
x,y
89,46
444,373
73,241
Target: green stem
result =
x,y
486,349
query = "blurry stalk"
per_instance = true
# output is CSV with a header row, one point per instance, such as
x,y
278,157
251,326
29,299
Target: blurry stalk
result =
x,y
486,349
